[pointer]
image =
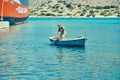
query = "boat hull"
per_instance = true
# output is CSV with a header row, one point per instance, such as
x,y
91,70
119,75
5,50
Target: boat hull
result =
x,y
68,42
13,20
13,11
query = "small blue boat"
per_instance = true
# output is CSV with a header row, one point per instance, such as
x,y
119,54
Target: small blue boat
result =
x,y
80,41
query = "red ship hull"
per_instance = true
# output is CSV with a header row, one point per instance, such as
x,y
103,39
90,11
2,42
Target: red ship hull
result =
x,y
13,11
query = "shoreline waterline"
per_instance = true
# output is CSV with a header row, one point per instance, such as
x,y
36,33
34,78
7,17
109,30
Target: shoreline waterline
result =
x,y
70,17
26,52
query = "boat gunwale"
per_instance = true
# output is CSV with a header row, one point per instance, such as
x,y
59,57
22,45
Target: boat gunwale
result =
x,y
68,39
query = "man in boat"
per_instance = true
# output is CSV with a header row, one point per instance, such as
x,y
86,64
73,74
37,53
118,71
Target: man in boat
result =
x,y
61,31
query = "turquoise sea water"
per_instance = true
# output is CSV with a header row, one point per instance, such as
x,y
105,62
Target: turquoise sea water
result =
x,y
26,53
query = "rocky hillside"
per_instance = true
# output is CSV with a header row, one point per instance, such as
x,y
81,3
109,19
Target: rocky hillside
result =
x,y
72,8
37,3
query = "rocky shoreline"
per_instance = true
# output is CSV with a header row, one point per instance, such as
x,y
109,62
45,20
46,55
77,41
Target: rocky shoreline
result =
x,y
63,9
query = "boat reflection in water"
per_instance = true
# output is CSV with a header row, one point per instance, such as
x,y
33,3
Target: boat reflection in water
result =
x,y
70,54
